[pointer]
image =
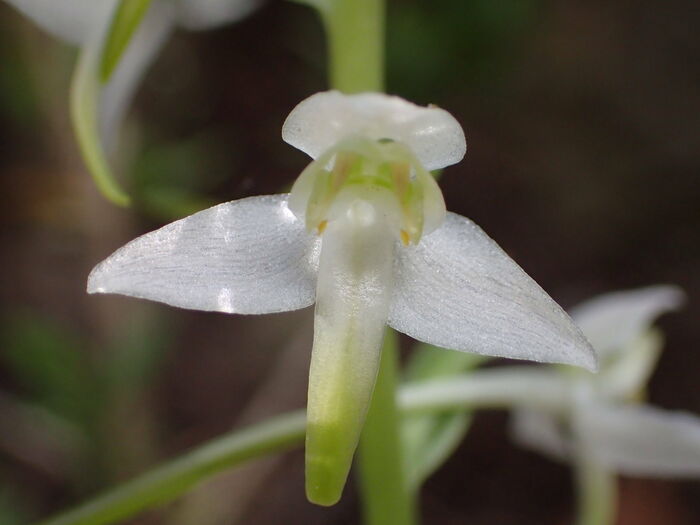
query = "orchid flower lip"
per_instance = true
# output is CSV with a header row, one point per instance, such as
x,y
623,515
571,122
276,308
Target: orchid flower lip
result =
x,y
353,292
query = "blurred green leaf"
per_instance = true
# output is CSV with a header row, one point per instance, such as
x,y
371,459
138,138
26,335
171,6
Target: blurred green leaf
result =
x,y
317,4
170,180
17,96
453,43
137,354
430,439
167,204
11,512
170,480
192,164
50,362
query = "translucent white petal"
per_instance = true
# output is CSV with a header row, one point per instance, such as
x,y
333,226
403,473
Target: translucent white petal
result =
x,y
541,432
457,289
140,53
204,14
249,256
625,377
69,20
612,320
354,287
642,440
324,119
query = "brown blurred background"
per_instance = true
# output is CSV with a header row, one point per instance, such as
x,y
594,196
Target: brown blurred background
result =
x,y
583,125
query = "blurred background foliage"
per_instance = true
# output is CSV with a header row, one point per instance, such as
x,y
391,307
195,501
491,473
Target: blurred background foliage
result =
x,y
584,155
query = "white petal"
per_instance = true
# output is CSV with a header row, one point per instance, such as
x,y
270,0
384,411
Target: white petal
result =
x,y
140,53
249,256
69,20
625,377
204,14
354,288
642,440
457,289
540,432
612,320
324,119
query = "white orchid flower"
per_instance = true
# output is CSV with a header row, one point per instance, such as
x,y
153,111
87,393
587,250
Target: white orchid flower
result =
x,y
547,400
363,234
114,59
604,416
562,411
596,422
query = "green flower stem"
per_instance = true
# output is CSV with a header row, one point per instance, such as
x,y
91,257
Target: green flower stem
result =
x,y
165,483
355,30
597,492
386,498
283,432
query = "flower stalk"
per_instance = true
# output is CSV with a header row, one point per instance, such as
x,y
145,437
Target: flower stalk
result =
x,y
355,30
596,488
386,498
285,432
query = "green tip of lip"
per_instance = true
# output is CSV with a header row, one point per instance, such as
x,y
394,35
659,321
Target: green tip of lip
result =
x,y
329,452
324,482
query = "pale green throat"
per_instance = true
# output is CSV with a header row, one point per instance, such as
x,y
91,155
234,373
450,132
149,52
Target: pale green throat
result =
x,y
384,173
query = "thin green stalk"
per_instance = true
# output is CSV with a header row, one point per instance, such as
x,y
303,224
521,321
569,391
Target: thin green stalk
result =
x,y
386,498
355,30
165,483
597,492
283,432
